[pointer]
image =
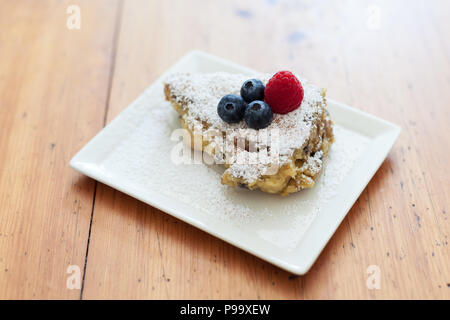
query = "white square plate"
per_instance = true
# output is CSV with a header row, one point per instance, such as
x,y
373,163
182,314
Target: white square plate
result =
x,y
133,154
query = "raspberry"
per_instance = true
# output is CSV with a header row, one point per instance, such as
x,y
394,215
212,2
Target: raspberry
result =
x,y
284,92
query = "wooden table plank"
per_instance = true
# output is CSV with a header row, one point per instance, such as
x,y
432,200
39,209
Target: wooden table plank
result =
x,y
53,89
396,78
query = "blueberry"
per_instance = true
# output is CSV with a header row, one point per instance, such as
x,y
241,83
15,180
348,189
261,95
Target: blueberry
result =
x,y
231,108
258,115
252,90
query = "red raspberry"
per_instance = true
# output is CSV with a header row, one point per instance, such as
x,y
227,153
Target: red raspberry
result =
x,y
284,93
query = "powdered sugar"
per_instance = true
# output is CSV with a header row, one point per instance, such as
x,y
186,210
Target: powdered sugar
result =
x,y
301,212
199,94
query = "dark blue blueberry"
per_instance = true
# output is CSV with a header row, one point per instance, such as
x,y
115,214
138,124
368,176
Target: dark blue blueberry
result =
x,y
252,90
231,108
258,115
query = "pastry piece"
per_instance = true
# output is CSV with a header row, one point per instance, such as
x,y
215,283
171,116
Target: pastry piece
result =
x,y
283,158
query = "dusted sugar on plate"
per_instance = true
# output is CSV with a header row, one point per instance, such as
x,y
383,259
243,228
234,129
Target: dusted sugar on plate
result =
x,y
271,132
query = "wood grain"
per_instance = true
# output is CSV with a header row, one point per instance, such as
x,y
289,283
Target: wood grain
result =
x,y
397,69
53,89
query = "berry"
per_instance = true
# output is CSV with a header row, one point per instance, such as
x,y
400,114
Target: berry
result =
x,y
258,115
284,93
231,108
252,90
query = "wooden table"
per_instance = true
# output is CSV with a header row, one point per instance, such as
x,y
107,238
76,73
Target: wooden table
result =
x,y
60,86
